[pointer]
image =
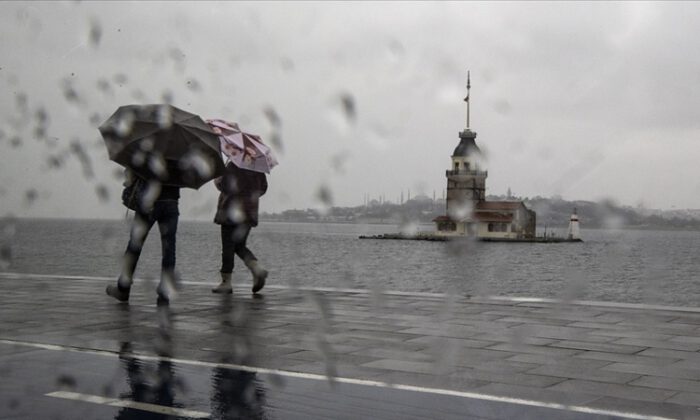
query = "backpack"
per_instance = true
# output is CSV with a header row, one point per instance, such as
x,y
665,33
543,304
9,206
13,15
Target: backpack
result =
x,y
133,193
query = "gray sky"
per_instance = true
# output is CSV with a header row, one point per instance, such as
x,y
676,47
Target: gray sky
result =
x,y
585,100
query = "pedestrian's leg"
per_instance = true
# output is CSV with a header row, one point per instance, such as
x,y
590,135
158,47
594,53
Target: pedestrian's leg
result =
x,y
242,250
227,254
167,214
239,238
139,230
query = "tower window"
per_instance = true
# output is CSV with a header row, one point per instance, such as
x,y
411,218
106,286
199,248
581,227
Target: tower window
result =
x,y
456,166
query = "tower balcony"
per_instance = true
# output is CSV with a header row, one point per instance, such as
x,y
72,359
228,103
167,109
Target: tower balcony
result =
x,y
465,172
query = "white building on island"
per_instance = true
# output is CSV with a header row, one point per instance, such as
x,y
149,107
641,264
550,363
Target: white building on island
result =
x,y
467,211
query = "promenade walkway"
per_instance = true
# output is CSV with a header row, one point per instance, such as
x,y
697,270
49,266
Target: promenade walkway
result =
x,y
336,353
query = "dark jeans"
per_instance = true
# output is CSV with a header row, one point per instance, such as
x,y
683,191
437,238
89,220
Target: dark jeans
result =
x,y
233,241
166,213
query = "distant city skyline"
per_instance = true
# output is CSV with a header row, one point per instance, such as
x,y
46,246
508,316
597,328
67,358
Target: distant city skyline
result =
x,y
584,100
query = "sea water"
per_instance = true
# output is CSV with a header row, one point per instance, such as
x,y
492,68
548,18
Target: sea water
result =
x,y
654,267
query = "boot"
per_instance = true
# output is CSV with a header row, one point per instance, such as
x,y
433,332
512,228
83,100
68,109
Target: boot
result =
x,y
259,274
167,288
225,286
120,292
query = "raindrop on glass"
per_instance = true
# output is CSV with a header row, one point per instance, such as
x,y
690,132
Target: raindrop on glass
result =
x,y
193,85
30,196
95,119
325,197
120,78
349,107
54,162
95,34
104,86
273,117
69,92
164,116
124,124
83,157
102,192
276,141
168,97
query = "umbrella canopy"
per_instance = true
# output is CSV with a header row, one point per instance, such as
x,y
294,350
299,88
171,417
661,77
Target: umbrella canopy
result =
x,y
245,150
163,143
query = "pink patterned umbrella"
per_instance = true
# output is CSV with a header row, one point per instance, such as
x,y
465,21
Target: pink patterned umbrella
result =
x,y
245,150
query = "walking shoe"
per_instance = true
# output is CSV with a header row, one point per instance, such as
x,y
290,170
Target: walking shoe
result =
x,y
162,300
259,280
119,293
166,292
259,274
163,295
225,286
167,287
223,289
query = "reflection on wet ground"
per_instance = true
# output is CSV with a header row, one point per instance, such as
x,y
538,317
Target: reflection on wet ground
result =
x,y
334,354
127,387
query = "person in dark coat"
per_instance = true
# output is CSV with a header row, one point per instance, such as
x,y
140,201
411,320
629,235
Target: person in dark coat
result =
x,y
237,213
157,203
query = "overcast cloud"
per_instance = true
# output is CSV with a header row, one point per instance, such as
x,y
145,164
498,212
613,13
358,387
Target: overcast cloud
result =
x,y
585,100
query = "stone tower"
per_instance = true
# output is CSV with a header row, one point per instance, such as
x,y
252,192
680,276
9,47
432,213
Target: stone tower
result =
x,y
466,180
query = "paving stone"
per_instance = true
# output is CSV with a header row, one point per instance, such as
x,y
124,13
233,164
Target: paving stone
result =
x,y
379,336
514,337
504,366
383,353
677,354
623,332
654,370
686,398
527,348
472,319
345,359
685,364
665,328
687,319
541,359
661,344
469,360
600,328
659,382
561,333
402,365
575,372
602,347
451,332
366,326
538,321
613,390
445,341
522,379
686,339
626,358
537,394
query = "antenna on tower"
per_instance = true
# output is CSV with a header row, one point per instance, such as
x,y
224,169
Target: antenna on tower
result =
x,y
466,99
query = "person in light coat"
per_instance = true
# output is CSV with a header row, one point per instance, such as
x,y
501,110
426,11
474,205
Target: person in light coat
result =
x,y
237,213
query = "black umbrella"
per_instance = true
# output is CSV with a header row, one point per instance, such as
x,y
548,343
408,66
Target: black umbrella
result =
x,y
163,143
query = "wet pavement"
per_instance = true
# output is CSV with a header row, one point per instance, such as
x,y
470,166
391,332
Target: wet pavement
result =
x,y
68,351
